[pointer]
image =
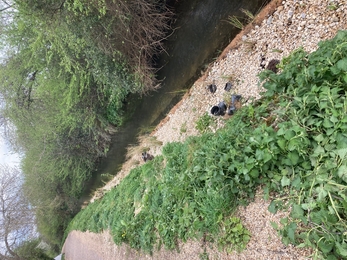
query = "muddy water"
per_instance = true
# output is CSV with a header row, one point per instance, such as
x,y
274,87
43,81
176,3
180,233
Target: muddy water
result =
x,y
201,32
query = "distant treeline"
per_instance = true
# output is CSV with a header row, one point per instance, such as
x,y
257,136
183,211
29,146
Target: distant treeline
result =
x,y
68,69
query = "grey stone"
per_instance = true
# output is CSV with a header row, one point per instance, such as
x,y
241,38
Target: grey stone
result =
x,y
290,13
269,20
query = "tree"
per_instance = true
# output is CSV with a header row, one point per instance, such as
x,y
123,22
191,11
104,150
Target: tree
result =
x,y
31,250
17,221
5,5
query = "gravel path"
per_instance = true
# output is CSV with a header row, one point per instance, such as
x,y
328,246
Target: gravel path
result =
x,y
283,27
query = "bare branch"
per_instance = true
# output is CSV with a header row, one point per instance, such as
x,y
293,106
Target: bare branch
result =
x,y
8,6
16,216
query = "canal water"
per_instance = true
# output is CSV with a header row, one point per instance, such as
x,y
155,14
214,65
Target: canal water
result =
x,y
200,33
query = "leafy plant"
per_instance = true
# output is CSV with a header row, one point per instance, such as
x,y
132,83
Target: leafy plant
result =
x,y
313,175
234,236
204,122
183,128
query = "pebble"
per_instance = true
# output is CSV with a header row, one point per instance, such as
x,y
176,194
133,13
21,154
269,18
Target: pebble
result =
x,y
290,13
269,20
335,19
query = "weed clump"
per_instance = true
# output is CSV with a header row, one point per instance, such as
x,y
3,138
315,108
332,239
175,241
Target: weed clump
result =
x,y
203,123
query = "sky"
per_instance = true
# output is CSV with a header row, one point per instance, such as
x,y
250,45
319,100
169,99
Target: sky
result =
x,y
6,156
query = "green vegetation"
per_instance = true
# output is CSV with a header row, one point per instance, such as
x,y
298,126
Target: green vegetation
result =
x,y
68,69
30,250
234,234
312,105
204,122
234,21
292,142
183,128
239,22
249,16
332,6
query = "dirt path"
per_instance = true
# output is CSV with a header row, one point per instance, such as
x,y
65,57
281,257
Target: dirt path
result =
x,y
84,246
264,244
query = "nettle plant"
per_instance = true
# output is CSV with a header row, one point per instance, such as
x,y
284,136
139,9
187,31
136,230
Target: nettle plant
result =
x,y
312,137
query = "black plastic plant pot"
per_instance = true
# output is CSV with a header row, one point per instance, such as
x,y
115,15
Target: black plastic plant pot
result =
x,y
231,110
215,110
228,86
212,88
223,107
219,110
235,98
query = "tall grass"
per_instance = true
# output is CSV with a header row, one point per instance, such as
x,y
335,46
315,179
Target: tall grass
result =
x,y
240,22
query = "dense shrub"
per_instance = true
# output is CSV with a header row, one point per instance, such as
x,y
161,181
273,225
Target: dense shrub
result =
x,y
69,67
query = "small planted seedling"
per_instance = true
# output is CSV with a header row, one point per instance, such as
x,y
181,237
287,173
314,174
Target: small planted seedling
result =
x,y
183,128
234,235
204,122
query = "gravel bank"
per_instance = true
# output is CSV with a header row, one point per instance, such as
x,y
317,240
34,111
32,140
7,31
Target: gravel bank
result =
x,y
294,24
285,27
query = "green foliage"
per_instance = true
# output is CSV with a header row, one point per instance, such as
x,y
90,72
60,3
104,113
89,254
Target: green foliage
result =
x,y
235,21
175,202
332,6
183,128
234,233
29,250
204,255
239,22
70,66
203,123
312,88
299,151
